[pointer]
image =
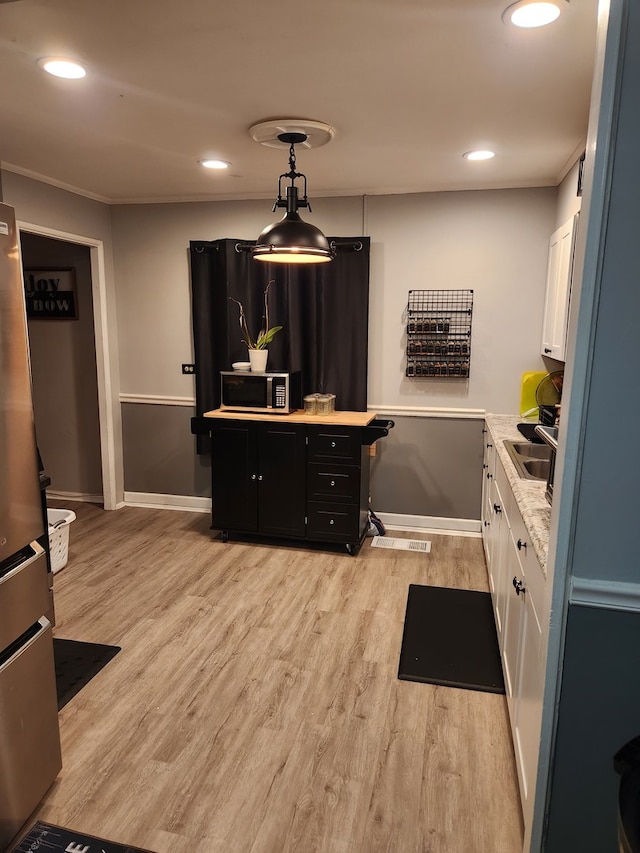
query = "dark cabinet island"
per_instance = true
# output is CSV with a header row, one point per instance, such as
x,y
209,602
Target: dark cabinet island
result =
x,y
293,476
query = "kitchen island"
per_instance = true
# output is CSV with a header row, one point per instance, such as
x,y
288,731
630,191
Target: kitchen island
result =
x,y
296,476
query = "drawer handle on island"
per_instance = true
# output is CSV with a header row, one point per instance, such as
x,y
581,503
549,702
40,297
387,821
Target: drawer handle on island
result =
x,y
253,477
518,586
259,476
520,545
333,444
331,521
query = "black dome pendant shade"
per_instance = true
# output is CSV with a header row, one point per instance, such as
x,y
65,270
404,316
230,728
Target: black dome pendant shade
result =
x,y
291,240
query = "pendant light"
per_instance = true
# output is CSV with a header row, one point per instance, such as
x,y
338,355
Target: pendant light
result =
x,y
291,240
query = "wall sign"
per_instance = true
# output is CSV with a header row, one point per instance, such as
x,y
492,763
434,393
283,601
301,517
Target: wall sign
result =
x,y
50,293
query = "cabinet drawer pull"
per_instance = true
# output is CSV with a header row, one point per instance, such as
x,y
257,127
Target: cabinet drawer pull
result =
x,y
253,477
521,545
333,482
260,477
333,444
518,586
331,521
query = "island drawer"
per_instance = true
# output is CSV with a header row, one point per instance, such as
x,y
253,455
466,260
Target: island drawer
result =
x,y
329,521
333,482
334,443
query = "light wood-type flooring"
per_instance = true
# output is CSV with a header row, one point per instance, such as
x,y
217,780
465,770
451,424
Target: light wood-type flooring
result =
x,y
255,705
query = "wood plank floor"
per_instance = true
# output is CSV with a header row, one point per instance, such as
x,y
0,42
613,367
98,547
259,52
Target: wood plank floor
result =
x,y
255,705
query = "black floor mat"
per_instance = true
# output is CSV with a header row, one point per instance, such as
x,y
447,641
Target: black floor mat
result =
x,y
56,839
450,638
76,665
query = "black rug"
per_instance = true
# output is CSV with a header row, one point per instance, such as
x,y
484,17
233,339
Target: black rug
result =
x,y
450,638
76,664
47,838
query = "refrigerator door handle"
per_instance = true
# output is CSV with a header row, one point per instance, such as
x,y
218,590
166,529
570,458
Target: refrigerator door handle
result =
x,y
38,551
44,625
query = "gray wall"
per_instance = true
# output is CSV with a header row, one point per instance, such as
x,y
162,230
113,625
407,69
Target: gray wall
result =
x,y
63,369
495,242
614,395
426,466
54,209
598,714
429,467
160,452
594,517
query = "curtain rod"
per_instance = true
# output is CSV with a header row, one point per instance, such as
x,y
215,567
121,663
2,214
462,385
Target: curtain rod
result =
x,y
354,245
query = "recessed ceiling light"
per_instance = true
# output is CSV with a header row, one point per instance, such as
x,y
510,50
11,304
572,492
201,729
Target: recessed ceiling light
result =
x,y
479,155
532,13
60,67
214,164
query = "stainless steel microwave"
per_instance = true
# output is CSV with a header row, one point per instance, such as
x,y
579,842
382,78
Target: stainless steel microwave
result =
x,y
272,393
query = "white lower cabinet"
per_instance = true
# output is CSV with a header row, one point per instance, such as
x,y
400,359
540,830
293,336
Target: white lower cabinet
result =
x,y
488,472
518,594
527,713
500,561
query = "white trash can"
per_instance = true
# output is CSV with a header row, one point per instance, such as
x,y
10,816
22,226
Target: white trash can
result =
x,y
59,521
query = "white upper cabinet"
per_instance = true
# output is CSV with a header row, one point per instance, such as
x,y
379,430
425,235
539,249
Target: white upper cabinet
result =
x,y
556,309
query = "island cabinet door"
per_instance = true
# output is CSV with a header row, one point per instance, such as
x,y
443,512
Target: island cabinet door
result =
x,y
282,479
234,476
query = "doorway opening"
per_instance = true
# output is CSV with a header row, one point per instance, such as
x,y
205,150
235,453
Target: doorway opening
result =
x,y
72,388
63,365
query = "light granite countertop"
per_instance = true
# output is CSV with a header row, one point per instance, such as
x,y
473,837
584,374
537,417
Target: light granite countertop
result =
x,y
529,494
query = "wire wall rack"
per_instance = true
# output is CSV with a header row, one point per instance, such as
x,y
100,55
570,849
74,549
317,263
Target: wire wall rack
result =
x,y
439,334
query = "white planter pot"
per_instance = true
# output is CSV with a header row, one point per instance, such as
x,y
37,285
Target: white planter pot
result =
x,y
258,360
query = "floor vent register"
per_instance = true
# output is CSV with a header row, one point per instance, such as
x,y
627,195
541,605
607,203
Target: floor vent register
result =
x,y
401,544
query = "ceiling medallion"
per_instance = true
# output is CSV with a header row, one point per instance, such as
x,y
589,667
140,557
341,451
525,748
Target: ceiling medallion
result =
x,y
270,132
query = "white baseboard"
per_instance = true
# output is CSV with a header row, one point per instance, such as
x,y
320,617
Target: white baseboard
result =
x,y
56,495
181,503
430,524
393,521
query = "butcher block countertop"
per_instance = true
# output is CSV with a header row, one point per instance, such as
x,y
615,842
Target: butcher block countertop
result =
x,y
352,419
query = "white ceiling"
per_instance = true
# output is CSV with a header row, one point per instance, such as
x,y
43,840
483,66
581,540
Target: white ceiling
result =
x,y
408,85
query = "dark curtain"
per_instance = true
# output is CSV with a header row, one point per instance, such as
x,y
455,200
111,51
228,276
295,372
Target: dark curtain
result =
x,y
323,308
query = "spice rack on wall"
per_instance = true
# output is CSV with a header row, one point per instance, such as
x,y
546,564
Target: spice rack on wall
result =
x,y
439,334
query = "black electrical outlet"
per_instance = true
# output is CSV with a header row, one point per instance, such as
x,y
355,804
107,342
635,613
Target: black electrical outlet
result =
x,y
188,368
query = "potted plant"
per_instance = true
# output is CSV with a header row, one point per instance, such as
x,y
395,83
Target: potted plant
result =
x,y
257,347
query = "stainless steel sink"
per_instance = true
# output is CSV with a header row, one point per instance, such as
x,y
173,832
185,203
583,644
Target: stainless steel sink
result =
x,y
532,461
531,451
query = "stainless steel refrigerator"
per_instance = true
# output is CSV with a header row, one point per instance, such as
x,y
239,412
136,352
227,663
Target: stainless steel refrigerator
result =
x,y
29,737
